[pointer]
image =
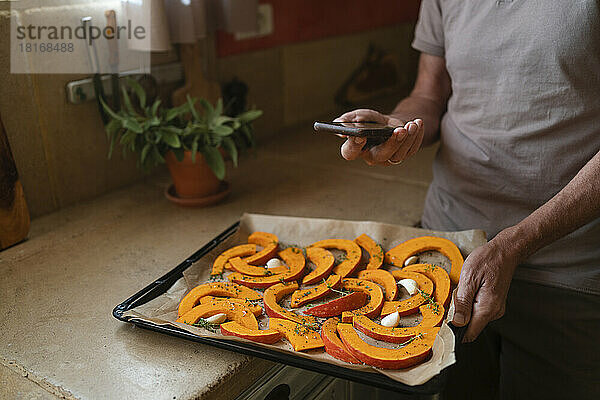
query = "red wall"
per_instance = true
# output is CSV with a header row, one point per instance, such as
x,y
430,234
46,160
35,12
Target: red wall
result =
x,y
303,20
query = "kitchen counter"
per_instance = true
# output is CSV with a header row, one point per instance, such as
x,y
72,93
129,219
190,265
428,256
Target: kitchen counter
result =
x,y
58,288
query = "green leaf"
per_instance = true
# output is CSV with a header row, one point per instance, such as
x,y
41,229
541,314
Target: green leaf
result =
x,y
222,119
109,111
154,110
139,91
192,108
132,124
177,111
157,156
171,139
250,116
214,160
194,149
218,108
223,130
127,101
179,153
231,148
145,151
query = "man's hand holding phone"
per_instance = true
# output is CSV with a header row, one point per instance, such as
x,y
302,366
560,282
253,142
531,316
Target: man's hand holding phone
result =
x,y
404,142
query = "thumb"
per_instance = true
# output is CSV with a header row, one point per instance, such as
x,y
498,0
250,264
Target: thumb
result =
x,y
463,303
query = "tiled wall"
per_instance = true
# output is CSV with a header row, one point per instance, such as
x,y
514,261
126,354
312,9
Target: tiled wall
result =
x,y
60,149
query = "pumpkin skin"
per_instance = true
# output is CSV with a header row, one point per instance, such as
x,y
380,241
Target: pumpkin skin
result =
x,y
333,345
273,296
412,304
304,296
255,308
220,289
375,251
294,259
398,335
382,278
373,308
268,336
413,353
300,337
237,251
270,244
353,254
234,311
337,306
400,253
440,278
324,261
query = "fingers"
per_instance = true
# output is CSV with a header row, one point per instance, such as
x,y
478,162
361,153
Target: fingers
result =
x,y
352,148
362,114
381,153
465,294
412,136
486,308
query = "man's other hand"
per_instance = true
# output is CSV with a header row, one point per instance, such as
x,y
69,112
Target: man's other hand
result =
x,y
404,142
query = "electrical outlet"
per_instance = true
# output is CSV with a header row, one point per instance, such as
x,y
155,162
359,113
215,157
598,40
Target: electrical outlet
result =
x,y
265,24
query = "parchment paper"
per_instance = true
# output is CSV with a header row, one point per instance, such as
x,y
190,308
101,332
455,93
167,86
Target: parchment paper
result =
x,y
302,232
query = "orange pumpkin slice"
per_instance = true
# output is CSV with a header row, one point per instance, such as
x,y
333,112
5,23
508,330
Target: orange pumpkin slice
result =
x,y
267,336
294,259
333,345
373,307
300,336
241,266
237,251
375,251
336,307
440,278
400,253
255,308
352,257
324,261
411,353
270,244
273,296
411,305
234,311
382,278
304,296
220,289
399,335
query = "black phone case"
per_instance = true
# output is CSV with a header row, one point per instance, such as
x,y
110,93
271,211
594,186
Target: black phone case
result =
x,y
374,136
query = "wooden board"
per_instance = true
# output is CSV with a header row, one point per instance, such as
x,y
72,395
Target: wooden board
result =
x,y
14,215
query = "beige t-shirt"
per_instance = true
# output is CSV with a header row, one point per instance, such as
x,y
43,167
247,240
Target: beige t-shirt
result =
x,y
523,119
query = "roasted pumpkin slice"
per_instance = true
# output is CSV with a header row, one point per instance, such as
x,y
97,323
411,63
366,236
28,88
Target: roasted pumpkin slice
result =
x,y
255,308
324,261
268,336
237,251
333,345
375,251
351,258
411,305
274,295
234,311
220,289
400,253
431,318
270,244
294,259
440,278
373,307
301,337
408,354
304,296
241,266
384,279
337,306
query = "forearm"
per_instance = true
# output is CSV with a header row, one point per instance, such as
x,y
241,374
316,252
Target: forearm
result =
x,y
429,110
575,205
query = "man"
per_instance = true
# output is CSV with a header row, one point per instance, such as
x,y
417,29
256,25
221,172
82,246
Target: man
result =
x,y
511,89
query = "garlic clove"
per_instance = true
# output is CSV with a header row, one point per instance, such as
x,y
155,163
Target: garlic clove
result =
x,y
217,319
410,285
274,263
411,260
392,320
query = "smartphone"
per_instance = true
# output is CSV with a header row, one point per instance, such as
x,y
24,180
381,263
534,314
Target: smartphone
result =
x,y
375,132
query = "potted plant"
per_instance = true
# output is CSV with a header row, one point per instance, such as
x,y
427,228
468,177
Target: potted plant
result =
x,y
191,142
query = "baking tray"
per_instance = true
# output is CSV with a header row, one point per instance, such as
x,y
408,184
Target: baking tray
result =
x,y
164,283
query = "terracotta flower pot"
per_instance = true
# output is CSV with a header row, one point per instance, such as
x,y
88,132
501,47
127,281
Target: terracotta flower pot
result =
x,y
192,180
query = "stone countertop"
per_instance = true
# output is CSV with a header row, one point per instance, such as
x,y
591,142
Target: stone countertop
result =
x,y
58,288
